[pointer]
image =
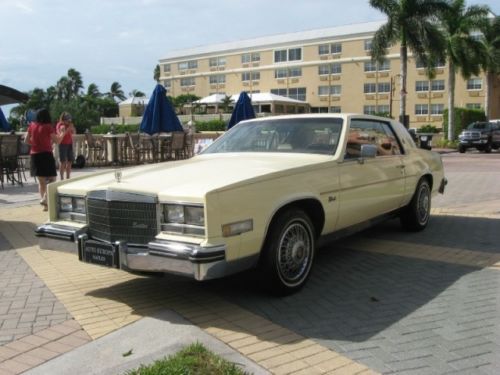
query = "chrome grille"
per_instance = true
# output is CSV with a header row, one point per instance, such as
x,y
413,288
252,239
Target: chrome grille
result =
x,y
129,220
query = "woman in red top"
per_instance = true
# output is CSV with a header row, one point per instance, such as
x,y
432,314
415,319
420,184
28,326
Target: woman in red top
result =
x,y
41,134
66,145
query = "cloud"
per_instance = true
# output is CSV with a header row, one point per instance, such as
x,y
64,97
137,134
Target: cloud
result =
x,y
23,6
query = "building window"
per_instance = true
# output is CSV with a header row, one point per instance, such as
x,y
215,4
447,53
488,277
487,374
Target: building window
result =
x,y
324,49
335,109
329,90
385,65
336,48
370,66
284,55
473,106
475,84
167,84
384,87
193,64
247,58
217,61
335,68
421,65
421,109
166,68
287,72
250,76
368,45
217,79
370,88
298,93
421,86
383,108
437,109
437,85
333,48
189,81
369,109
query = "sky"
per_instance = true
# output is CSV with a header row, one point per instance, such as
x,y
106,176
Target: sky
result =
x,y
123,40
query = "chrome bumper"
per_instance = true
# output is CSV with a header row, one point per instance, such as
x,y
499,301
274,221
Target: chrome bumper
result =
x,y
201,263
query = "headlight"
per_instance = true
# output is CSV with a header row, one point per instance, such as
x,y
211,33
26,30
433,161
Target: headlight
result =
x,y
72,208
183,219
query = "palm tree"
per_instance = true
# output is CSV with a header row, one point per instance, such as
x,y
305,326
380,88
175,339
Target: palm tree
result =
x,y
156,73
411,23
225,103
464,52
63,88
116,91
137,93
75,82
93,91
491,41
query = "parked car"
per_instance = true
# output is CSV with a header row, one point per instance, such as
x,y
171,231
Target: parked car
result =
x,y
261,196
484,136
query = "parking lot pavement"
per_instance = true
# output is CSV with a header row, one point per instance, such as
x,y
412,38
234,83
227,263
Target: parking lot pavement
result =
x,y
382,301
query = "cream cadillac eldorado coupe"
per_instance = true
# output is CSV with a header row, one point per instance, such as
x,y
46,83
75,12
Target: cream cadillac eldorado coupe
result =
x,y
261,196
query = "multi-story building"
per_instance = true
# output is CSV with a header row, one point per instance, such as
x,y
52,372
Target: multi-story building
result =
x,y
331,69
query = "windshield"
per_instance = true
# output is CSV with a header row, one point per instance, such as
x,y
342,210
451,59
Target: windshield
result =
x,y
478,125
299,135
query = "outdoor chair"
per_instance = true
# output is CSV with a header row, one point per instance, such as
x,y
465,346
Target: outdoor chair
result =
x,y
178,145
96,151
188,145
140,148
10,170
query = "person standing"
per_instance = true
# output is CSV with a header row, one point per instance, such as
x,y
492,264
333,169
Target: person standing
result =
x,y
41,134
66,146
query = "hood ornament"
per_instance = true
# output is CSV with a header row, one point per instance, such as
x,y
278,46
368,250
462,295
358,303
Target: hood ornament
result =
x,y
118,175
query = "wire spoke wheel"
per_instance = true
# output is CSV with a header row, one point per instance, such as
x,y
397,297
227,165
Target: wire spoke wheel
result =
x,y
423,204
294,253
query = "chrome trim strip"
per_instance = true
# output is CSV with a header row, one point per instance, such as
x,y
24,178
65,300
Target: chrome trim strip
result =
x,y
111,195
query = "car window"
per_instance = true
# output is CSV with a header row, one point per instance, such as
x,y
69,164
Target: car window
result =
x,y
373,132
298,135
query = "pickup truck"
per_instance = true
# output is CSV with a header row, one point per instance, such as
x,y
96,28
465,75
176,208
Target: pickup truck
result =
x,y
484,136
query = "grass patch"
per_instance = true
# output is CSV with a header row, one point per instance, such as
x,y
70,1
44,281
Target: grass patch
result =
x,y
194,359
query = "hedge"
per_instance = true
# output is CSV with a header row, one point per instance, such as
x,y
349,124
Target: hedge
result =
x,y
463,117
212,125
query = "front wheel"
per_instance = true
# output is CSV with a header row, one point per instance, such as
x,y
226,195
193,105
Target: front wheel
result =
x,y
462,149
415,216
288,252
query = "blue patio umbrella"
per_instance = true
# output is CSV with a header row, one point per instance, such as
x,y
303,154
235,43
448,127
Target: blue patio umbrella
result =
x,y
243,110
4,125
159,116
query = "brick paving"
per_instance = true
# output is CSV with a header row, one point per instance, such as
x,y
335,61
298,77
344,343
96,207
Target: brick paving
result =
x,y
26,304
381,301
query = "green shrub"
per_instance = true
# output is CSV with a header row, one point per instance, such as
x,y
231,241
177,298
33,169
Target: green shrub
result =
x,y
463,117
428,129
119,129
212,125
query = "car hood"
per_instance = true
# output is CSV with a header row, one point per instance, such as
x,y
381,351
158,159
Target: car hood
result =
x,y
193,178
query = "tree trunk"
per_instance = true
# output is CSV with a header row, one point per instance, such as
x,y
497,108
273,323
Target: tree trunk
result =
x,y
488,77
451,101
402,101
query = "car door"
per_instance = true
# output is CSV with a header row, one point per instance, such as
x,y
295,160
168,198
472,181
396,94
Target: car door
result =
x,y
371,186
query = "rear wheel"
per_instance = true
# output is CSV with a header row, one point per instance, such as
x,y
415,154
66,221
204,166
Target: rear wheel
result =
x,y
487,148
288,252
415,216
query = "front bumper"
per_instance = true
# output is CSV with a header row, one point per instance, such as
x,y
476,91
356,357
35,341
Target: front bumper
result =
x,y
473,142
199,262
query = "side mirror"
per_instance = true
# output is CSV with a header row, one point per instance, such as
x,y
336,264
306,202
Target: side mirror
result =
x,y
367,152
